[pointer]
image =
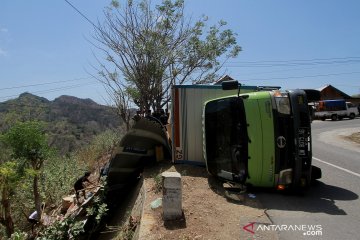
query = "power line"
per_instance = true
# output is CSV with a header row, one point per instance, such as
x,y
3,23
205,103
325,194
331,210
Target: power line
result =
x,y
343,85
282,70
308,76
47,83
53,89
284,64
299,60
83,15
63,88
315,65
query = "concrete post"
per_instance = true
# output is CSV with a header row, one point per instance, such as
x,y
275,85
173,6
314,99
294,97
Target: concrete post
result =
x,y
172,195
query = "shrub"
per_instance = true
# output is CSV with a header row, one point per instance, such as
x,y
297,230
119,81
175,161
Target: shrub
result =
x,y
63,230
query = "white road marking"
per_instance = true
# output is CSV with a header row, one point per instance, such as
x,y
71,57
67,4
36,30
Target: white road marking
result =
x,y
335,166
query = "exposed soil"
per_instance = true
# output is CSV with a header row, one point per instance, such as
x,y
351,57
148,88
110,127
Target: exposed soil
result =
x,y
207,212
355,137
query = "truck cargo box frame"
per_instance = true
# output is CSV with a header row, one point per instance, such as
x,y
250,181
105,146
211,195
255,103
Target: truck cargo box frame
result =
x,y
186,130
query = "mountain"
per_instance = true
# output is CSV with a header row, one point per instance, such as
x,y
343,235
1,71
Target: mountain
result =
x,y
71,122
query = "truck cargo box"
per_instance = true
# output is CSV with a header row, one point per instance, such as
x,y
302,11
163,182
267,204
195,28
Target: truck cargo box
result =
x,y
186,119
332,105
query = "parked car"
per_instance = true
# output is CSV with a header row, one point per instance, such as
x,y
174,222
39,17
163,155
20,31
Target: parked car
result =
x,y
335,110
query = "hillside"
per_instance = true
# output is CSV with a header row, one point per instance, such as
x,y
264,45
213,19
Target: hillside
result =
x,y
72,122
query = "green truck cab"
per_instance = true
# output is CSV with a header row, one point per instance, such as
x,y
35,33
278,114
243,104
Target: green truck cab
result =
x,y
260,139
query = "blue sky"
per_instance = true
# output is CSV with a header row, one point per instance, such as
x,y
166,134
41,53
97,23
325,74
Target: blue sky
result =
x,y
44,47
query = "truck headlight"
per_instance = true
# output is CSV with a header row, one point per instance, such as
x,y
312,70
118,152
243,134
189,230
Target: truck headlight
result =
x,y
282,102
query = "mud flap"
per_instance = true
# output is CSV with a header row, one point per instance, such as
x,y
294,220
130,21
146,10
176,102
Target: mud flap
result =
x,y
315,173
297,173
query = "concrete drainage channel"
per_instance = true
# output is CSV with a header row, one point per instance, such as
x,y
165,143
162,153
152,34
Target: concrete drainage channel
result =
x,y
145,144
138,208
129,220
125,217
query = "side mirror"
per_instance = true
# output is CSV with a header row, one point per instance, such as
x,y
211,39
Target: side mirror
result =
x,y
230,85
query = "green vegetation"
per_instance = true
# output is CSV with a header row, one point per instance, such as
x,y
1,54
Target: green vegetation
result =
x,y
29,147
8,179
71,123
63,230
60,173
70,228
32,173
19,236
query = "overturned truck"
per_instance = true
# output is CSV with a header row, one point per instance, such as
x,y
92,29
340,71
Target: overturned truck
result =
x,y
253,136
248,135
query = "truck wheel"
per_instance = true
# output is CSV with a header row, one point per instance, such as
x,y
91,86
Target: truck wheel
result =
x,y
334,117
323,119
352,115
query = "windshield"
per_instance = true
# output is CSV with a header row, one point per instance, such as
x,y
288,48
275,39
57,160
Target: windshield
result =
x,y
226,139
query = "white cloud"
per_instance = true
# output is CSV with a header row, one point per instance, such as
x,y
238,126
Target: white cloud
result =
x,y
4,30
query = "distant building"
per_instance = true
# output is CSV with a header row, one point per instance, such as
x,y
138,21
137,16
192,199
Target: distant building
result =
x,y
329,92
222,79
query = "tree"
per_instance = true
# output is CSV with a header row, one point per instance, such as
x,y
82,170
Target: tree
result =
x,y
8,179
29,146
148,49
122,100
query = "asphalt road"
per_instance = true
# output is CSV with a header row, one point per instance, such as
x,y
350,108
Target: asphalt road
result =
x,y
332,204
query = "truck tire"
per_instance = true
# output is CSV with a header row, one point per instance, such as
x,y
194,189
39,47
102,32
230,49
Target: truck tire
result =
x,y
352,115
334,117
323,118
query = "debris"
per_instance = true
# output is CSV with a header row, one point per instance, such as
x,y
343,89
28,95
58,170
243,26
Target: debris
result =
x,y
89,194
156,203
133,223
251,195
234,196
66,203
